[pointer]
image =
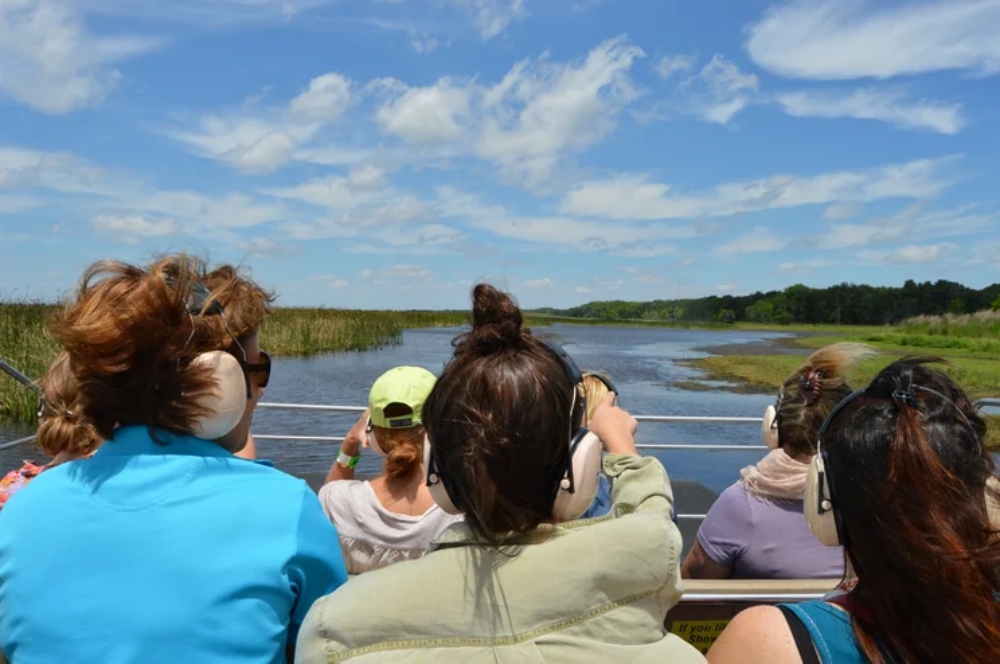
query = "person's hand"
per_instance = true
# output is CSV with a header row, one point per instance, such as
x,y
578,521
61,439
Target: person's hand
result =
x,y
614,426
356,437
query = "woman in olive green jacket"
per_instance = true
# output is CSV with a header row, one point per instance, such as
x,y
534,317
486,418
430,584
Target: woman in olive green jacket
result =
x,y
521,580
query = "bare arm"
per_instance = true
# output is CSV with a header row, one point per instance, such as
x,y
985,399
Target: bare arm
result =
x,y
698,565
353,442
758,634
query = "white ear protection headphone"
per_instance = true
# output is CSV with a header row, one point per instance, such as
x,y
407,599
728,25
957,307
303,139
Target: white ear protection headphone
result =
x,y
373,439
769,426
578,486
819,503
225,404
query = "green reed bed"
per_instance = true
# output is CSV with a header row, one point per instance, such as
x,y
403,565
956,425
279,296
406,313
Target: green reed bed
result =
x,y
313,331
982,324
25,342
26,345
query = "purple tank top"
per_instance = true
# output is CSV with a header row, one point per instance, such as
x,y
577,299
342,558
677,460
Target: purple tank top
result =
x,y
765,539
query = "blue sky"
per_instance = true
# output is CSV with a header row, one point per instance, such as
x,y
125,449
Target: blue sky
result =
x,y
391,153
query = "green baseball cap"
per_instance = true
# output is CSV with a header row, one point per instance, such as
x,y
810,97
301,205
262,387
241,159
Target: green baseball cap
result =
x,y
405,389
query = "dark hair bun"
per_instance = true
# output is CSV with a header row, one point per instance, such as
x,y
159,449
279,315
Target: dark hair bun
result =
x,y
496,322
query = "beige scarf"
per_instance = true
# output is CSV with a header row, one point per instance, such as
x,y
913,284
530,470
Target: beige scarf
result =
x,y
776,476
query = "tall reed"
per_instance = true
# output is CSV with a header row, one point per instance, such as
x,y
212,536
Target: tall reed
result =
x,y
26,344
982,324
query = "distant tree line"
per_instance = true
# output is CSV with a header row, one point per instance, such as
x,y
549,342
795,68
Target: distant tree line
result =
x,y
847,304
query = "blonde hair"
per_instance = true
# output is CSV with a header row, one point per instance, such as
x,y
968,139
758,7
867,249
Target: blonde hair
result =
x,y
62,427
404,450
811,392
596,390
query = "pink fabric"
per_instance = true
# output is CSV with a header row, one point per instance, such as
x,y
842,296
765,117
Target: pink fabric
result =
x,y
776,476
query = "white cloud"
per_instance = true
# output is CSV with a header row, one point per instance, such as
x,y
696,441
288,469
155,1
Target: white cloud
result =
x,y
427,116
759,240
366,176
668,65
720,90
260,141
211,13
492,16
130,228
841,211
634,197
537,284
580,235
542,110
50,62
325,99
205,212
335,192
264,248
22,168
805,267
842,236
834,39
397,273
886,105
911,254
424,46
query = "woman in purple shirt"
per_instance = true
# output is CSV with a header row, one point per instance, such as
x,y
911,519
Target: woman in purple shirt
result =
x,y
756,529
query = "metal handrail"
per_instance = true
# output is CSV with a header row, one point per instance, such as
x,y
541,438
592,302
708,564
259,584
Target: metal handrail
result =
x,y
753,598
662,419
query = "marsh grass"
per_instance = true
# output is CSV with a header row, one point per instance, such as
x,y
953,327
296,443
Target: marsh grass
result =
x,y
26,345
313,331
25,342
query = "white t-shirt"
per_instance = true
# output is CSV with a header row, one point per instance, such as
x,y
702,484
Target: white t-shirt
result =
x,y
370,535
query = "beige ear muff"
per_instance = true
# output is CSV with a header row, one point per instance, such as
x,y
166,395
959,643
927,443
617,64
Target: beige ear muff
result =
x,y
586,463
818,505
226,402
373,439
435,485
769,428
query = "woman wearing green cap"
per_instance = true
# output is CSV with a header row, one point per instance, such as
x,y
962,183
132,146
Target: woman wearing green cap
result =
x,y
392,517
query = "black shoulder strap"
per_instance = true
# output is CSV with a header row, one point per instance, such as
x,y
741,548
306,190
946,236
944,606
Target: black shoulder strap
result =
x,y
803,641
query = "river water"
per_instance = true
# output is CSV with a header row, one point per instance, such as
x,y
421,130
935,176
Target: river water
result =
x,y
640,360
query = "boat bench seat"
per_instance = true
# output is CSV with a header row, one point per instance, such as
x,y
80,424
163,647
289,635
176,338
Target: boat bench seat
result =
x,y
708,605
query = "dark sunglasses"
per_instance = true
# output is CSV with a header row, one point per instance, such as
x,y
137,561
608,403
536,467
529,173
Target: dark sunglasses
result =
x,y
261,369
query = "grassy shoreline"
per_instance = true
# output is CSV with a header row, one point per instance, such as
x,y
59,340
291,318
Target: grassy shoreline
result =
x,y
763,370
26,344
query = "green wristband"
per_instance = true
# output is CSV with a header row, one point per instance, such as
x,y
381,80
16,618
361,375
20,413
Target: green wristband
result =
x,y
346,460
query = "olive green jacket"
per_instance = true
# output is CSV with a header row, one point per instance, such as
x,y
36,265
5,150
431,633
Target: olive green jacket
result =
x,y
595,590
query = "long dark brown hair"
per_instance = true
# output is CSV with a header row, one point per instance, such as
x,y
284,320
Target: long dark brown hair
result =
x,y
909,472
498,420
